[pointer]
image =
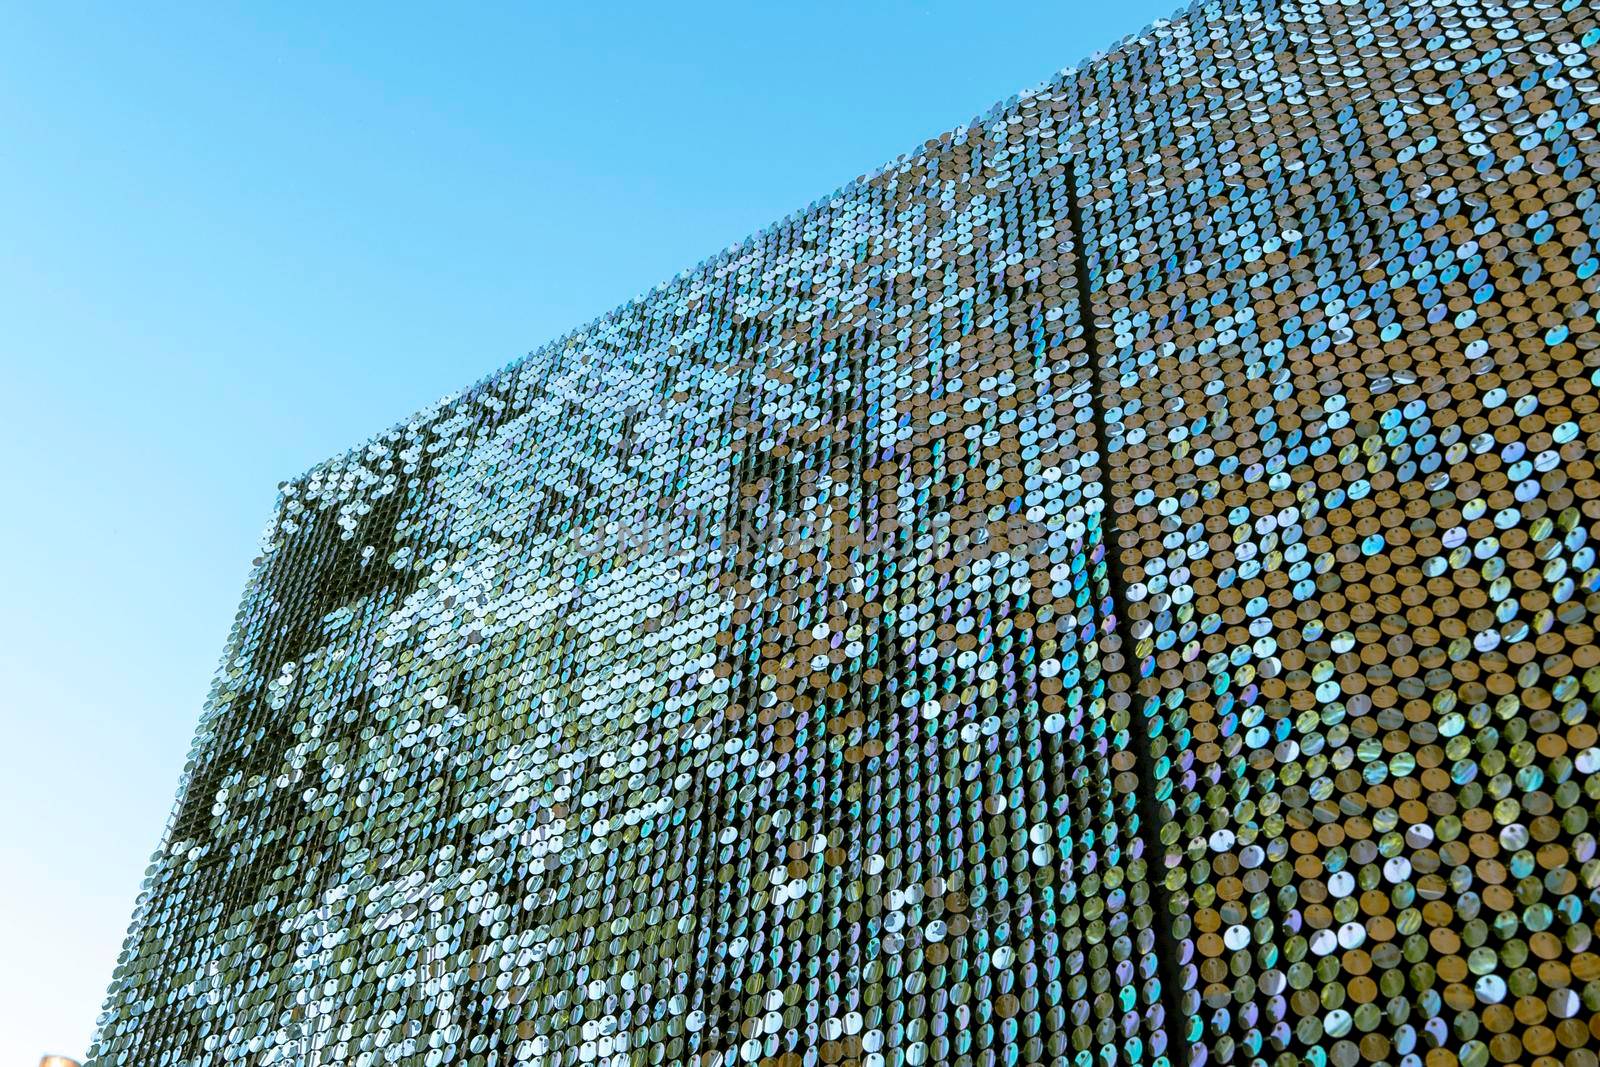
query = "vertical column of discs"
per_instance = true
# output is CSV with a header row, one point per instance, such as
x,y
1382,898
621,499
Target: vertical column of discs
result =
x,y
1000,430
1111,819
1196,211
724,1006
708,805
1105,227
759,950
641,617
1110,1005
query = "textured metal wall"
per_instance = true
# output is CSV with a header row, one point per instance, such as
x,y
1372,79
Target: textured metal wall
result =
x,y
1114,587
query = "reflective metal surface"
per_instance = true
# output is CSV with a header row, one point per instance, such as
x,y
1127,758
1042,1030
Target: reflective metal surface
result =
x,y
1115,586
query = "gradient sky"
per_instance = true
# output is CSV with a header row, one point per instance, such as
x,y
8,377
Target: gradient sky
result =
x,y
236,240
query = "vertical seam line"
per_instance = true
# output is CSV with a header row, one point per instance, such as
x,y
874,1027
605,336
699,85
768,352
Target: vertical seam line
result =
x,y
1166,949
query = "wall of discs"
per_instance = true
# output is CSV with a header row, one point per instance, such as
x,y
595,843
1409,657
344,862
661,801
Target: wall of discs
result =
x,y
1115,586
1345,275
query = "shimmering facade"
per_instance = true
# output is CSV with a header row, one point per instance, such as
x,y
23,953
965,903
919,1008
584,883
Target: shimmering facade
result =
x,y
1115,586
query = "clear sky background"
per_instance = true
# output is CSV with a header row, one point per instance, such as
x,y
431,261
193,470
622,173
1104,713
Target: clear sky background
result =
x,y
235,240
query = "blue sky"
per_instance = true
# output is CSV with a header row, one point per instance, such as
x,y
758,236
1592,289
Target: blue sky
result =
x,y
236,240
